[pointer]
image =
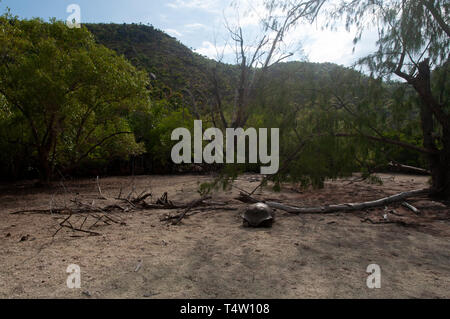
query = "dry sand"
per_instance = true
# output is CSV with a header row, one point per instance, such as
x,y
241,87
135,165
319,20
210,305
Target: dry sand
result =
x,y
210,255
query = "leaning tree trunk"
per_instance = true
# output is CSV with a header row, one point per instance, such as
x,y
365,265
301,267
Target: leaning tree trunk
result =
x,y
432,112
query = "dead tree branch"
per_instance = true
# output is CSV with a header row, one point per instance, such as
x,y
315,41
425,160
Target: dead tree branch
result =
x,y
192,205
411,208
410,169
338,208
384,222
66,224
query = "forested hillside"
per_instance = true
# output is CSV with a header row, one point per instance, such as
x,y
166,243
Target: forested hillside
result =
x,y
170,61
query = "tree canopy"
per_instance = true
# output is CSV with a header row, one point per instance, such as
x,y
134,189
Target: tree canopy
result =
x,y
66,98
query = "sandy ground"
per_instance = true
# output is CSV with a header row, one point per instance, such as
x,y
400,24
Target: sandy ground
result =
x,y
210,255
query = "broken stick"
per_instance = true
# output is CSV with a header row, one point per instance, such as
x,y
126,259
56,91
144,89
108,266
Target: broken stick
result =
x,y
100,190
189,208
411,207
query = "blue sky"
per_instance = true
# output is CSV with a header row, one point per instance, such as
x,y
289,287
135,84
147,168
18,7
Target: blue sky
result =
x,y
199,24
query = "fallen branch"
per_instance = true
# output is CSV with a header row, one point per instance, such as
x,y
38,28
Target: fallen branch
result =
x,y
103,213
141,198
177,216
383,222
198,210
66,224
164,201
99,219
410,169
411,208
165,204
92,233
189,208
54,211
394,212
337,208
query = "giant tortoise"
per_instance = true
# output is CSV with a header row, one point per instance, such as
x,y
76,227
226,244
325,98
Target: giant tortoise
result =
x,y
258,215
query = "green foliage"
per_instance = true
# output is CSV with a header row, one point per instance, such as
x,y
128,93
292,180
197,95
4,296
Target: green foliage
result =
x,y
405,27
68,97
323,112
154,129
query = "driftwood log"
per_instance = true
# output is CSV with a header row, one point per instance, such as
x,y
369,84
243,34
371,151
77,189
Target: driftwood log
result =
x,y
337,208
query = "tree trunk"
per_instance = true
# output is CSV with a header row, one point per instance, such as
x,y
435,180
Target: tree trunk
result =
x,y
431,110
440,169
44,167
45,164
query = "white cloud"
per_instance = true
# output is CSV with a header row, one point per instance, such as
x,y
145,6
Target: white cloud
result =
x,y
214,51
207,5
318,45
195,26
332,46
245,13
163,17
173,33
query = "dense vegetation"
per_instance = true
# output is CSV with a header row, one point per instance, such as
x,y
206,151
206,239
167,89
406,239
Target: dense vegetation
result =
x,y
292,86
105,98
66,99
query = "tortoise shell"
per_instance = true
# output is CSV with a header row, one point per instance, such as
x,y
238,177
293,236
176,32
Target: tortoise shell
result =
x,y
258,215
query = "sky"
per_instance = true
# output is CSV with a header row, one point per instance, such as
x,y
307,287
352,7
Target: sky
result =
x,y
200,25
